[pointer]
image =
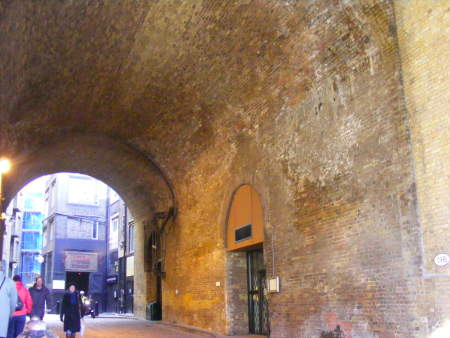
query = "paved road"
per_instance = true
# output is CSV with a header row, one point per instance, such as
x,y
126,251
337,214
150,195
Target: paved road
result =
x,y
118,327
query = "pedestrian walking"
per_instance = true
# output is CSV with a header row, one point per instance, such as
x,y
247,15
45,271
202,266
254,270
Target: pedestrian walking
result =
x,y
22,309
71,312
41,298
8,301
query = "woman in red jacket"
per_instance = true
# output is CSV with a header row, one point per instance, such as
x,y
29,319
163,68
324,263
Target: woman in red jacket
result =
x,y
24,307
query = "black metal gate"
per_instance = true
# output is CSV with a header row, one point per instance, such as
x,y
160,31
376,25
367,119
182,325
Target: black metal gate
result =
x,y
130,295
258,309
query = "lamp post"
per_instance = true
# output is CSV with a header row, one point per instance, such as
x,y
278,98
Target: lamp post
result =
x,y
5,165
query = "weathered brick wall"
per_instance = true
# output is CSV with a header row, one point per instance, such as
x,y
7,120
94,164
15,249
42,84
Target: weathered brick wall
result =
x,y
424,47
331,158
301,99
237,293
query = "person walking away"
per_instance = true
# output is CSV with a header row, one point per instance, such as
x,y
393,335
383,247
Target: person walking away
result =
x,y
41,298
8,301
71,312
22,308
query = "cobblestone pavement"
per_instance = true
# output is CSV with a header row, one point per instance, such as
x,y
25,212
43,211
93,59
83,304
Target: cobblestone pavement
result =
x,y
121,327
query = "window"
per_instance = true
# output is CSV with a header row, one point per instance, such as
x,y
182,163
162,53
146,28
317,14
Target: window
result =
x,y
155,260
114,232
29,203
82,190
82,228
13,250
115,224
131,237
47,234
243,233
45,237
95,230
48,268
30,267
32,220
51,230
31,241
52,191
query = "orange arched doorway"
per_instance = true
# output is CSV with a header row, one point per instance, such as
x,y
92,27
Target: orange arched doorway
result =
x,y
245,228
248,305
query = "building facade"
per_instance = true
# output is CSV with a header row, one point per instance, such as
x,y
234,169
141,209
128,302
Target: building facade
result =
x,y
120,279
31,245
23,236
74,240
12,238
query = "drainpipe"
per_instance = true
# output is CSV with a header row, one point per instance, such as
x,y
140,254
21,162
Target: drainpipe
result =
x,y
2,229
105,289
125,246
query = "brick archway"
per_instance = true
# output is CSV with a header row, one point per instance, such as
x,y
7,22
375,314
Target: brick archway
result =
x,y
138,180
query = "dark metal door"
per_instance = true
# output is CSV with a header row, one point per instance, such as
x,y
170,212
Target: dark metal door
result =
x,y
258,309
130,296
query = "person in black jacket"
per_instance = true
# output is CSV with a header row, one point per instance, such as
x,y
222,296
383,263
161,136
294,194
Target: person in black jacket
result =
x,y
71,312
41,297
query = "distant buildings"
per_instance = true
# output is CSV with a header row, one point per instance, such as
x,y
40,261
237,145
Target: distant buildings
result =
x,y
85,238
23,235
12,238
31,246
74,240
73,229
120,278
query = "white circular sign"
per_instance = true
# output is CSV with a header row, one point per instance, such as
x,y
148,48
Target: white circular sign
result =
x,y
442,259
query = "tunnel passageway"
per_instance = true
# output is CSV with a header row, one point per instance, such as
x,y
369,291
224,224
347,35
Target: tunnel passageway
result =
x,y
334,112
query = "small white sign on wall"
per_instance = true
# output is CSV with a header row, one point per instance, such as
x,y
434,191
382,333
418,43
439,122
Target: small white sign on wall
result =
x,y
58,284
442,259
130,266
273,284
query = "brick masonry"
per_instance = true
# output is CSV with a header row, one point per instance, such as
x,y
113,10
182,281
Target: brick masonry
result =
x,y
425,59
237,293
304,100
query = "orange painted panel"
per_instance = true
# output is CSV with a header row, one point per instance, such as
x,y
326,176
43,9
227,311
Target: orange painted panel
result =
x,y
245,209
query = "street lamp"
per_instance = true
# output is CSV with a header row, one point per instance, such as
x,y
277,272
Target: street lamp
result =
x,y
5,166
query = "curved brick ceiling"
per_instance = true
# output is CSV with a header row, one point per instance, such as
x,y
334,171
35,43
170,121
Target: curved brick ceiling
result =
x,y
302,99
168,77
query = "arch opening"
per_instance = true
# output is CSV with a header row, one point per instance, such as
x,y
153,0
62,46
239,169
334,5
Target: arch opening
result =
x,y
140,183
71,229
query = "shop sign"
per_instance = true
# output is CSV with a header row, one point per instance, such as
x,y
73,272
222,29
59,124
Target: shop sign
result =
x,y
81,261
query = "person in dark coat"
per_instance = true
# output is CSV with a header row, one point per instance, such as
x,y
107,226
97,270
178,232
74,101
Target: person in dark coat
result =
x,y
71,313
41,297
